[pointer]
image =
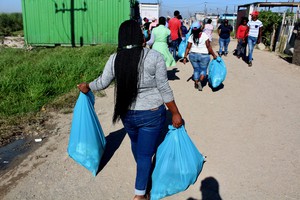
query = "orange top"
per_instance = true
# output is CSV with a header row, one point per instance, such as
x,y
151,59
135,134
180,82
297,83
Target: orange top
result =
x,y
241,32
174,26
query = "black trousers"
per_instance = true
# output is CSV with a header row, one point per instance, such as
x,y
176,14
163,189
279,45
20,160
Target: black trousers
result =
x,y
241,48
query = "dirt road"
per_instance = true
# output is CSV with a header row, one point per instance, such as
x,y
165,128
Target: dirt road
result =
x,y
249,130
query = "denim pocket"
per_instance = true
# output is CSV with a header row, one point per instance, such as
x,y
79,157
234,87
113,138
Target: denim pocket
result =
x,y
154,117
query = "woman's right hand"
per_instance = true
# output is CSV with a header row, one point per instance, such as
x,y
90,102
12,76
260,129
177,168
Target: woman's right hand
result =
x,y
84,87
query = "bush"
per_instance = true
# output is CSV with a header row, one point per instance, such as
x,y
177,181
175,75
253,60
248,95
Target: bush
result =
x,y
10,23
270,21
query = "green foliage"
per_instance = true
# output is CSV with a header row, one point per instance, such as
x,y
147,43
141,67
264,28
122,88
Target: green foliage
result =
x,y
32,79
10,23
18,33
289,13
270,21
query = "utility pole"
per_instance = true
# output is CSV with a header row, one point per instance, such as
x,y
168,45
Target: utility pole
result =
x,y
233,20
159,4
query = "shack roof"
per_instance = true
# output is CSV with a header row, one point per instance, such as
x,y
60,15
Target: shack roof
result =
x,y
272,4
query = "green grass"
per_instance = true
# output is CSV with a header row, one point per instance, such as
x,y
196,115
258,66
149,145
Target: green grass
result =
x,y
31,80
18,33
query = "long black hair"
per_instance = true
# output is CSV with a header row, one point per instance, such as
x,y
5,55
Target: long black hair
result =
x,y
196,35
127,61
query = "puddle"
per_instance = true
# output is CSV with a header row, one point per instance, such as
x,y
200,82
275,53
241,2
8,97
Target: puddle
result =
x,y
13,152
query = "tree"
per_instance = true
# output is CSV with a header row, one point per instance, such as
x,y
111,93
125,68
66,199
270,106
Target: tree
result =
x,y
270,22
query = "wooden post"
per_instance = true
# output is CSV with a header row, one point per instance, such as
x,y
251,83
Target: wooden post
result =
x,y
272,45
278,44
296,55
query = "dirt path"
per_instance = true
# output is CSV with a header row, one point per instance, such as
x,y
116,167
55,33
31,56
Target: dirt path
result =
x,y
249,131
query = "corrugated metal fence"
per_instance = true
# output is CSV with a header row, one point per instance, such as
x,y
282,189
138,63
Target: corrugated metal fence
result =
x,y
73,22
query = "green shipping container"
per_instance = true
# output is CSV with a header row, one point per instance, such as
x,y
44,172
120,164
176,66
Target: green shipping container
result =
x,y
74,22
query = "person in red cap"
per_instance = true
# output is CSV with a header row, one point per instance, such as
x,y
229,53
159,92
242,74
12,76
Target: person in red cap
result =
x,y
254,34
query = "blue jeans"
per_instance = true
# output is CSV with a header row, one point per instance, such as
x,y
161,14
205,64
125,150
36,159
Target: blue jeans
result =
x,y
144,128
173,48
200,63
223,43
251,43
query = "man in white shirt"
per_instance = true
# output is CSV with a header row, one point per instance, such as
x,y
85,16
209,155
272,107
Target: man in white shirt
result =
x,y
254,35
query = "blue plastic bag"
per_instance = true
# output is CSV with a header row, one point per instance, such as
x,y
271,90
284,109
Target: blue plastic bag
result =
x,y
146,35
87,140
178,164
216,72
183,44
182,48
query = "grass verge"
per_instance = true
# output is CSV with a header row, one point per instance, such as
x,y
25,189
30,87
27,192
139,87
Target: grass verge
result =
x,y
43,79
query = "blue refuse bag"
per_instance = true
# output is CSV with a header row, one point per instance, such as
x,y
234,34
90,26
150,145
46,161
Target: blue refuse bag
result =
x,y
87,140
182,48
178,164
216,72
146,35
183,44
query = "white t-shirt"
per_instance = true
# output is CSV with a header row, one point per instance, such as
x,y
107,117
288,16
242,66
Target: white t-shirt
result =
x,y
254,27
201,47
208,29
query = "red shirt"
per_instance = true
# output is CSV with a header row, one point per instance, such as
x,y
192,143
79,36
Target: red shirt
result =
x,y
174,26
241,32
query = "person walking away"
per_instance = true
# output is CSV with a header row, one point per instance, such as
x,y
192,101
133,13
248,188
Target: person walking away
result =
x,y
224,31
254,35
183,28
208,29
167,22
176,33
146,30
153,24
159,38
200,49
241,35
141,90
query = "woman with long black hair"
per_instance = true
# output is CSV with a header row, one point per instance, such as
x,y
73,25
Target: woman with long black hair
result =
x,y
200,49
141,91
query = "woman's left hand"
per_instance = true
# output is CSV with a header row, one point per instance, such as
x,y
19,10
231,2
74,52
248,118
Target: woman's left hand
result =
x,y
177,120
84,87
